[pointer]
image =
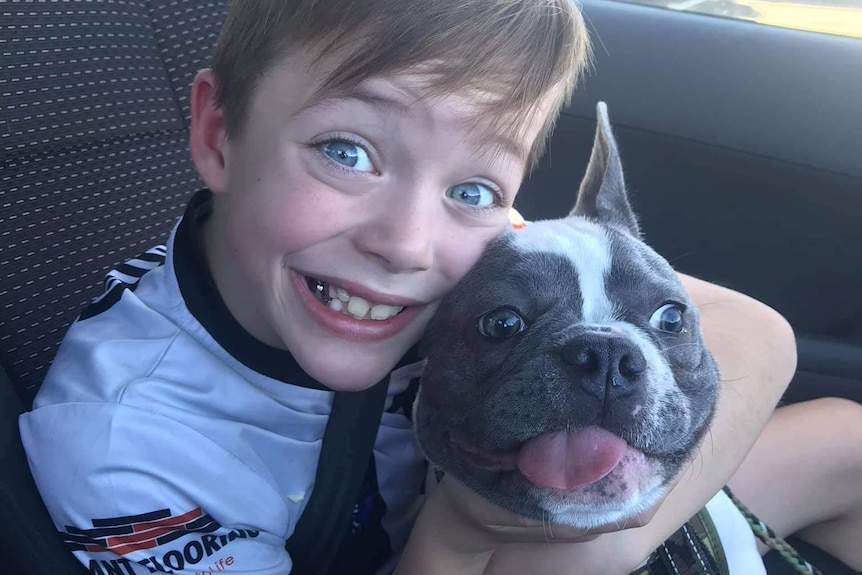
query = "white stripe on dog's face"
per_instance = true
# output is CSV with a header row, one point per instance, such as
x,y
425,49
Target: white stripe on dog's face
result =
x,y
589,250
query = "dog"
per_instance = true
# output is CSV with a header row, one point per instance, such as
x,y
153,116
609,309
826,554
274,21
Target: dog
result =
x,y
567,378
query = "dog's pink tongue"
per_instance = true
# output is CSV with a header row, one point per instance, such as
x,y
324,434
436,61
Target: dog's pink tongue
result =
x,y
570,460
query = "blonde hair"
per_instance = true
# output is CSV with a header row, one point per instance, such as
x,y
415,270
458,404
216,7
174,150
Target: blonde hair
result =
x,y
517,51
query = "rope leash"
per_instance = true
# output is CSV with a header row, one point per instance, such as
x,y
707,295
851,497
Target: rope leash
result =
x,y
770,539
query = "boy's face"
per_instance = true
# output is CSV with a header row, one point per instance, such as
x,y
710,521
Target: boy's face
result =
x,y
374,198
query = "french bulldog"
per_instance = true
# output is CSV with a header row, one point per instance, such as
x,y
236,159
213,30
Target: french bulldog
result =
x,y
567,378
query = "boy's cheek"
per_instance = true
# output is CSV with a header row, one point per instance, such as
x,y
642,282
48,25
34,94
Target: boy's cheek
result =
x,y
281,213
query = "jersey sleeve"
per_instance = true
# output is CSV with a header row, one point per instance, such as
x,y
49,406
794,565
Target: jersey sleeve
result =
x,y
135,492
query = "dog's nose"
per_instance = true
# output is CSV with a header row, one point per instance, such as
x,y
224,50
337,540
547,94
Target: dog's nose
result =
x,y
606,365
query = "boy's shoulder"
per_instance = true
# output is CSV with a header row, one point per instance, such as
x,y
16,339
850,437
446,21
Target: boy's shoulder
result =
x,y
120,337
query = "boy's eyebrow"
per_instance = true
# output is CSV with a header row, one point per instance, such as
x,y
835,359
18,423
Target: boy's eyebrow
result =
x,y
384,103
505,144
489,142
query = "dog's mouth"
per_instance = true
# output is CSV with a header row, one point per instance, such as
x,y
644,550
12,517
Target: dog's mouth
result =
x,y
339,299
557,460
504,461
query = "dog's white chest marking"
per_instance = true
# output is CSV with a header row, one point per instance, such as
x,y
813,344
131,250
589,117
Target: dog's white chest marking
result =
x,y
587,246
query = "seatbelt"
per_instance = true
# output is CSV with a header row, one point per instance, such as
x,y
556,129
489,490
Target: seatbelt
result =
x,y
29,542
348,444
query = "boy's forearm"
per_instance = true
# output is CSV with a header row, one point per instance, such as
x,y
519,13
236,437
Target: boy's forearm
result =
x,y
442,543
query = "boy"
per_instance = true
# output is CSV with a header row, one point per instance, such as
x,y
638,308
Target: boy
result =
x,y
358,157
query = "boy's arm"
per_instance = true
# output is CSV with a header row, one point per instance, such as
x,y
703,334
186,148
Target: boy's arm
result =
x,y
756,353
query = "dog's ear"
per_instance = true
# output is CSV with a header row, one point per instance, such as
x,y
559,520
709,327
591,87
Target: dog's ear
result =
x,y
602,196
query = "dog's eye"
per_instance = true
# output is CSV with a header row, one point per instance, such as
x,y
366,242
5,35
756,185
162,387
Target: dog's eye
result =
x,y
669,317
500,323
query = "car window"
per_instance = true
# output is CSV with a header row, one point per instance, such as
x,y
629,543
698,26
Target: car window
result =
x,y
840,17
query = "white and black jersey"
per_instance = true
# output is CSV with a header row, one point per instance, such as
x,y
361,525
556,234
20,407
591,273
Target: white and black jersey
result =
x,y
166,438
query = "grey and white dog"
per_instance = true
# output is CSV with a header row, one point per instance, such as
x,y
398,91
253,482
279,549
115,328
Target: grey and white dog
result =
x,y
567,378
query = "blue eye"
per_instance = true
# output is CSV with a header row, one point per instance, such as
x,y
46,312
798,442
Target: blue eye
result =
x,y
347,154
472,194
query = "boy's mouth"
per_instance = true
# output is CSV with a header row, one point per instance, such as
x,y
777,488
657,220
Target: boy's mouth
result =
x,y
338,299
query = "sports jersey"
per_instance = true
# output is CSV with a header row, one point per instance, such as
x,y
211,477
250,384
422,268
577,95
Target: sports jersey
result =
x,y
167,439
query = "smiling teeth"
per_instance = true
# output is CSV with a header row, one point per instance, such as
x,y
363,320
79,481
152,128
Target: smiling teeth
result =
x,y
360,308
337,299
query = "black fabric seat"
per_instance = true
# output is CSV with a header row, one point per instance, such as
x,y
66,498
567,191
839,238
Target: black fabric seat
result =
x,y
94,168
94,162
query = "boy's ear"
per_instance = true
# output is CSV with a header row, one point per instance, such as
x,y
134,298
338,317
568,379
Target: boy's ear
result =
x,y
207,138
602,196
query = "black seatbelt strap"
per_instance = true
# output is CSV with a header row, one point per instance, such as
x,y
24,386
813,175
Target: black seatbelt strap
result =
x,y
348,445
29,542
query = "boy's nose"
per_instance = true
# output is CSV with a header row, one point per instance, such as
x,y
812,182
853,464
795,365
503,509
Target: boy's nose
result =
x,y
401,236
